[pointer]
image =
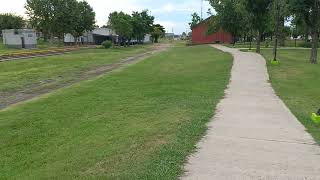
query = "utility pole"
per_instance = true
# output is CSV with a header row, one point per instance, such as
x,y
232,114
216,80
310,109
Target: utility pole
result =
x,y
201,9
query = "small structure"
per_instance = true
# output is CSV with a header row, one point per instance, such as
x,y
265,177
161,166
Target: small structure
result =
x,y
147,38
97,36
201,35
20,38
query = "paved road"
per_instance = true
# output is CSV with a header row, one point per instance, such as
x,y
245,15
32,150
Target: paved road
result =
x,y
253,134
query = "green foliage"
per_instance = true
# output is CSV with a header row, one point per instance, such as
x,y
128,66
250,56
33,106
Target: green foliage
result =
x,y
57,17
305,44
135,26
121,23
299,27
107,44
259,12
195,20
86,18
11,21
158,31
309,12
142,24
230,16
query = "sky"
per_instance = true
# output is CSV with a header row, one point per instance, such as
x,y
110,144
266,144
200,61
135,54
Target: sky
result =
x,y
172,14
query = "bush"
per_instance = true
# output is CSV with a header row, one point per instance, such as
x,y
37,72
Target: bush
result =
x,y
305,44
107,44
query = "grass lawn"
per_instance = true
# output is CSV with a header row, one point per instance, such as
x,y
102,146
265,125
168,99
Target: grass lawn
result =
x,y
137,123
296,81
267,44
15,75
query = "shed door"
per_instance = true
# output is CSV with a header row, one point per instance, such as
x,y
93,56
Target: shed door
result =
x,y
22,42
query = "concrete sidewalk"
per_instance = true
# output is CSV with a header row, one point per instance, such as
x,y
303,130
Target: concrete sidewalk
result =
x,y
253,134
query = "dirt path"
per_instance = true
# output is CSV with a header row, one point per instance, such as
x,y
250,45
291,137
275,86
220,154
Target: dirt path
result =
x,y
7,99
253,134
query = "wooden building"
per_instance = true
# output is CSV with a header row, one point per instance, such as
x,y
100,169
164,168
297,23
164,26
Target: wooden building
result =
x,y
201,34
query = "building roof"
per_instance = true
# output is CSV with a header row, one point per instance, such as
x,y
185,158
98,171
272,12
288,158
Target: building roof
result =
x,y
103,31
18,30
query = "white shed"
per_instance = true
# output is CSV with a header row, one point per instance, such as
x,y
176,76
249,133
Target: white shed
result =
x,y
86,38
19,38
97,36
147,38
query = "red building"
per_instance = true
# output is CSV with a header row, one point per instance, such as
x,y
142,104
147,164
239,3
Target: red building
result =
x,y
200,34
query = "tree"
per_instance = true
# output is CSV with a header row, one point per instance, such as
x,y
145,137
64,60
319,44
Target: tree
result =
x,y
122,24
40,15
85,21
53,17
158,31
10,21
65,17
195,20
230,16
259,13
142,24
309,10
280,13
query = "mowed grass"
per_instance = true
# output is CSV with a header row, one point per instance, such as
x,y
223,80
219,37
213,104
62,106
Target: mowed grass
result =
x,y
268,44
137,123
296,81
19,74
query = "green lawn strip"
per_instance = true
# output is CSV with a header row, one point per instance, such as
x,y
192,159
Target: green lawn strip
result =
x,y
296,81
18,74
268,44
138,123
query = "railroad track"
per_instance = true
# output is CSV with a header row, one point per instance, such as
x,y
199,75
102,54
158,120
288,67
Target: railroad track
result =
x,y
39,53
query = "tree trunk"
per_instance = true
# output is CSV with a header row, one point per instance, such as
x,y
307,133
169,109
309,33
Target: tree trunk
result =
x,y
275,47
234,40
283,36
45,36
258,42
250,47
314,50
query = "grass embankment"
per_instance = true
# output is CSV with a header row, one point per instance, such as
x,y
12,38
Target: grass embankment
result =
x,y
138,123
296,81
15,75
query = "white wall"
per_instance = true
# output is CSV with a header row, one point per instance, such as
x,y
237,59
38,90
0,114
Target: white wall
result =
x,y
68,38
9,38
147,38
13,38
30,38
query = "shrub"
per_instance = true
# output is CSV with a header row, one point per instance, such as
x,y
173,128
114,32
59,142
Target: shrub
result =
x,y
107,44
305,44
